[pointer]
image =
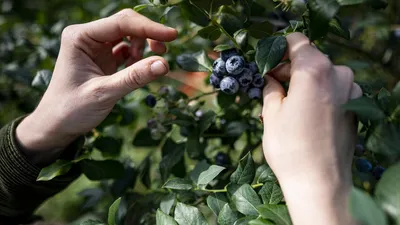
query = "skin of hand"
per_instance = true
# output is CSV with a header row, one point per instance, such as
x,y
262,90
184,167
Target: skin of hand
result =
x,y
308,139
86,84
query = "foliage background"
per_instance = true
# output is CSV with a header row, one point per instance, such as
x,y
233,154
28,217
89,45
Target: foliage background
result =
x,y
30,31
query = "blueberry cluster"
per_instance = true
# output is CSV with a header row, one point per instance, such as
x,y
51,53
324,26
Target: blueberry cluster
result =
x,y
365,166
231,73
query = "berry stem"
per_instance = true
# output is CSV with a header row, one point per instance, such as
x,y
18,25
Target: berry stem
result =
x,y
215,23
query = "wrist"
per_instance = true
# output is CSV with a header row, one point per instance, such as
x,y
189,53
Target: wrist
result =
x,y
41,141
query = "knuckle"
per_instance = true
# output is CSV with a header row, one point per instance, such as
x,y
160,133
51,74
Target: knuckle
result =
x,y
323,65
134,79
123,14
72,34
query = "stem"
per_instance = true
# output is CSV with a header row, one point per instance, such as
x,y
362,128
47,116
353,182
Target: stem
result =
x,y
215,23
202,95
395,114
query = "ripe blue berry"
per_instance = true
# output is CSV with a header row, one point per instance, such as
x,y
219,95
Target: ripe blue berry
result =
x,y
253,67
215,81
235,65
151,123
199,113
222,159
378,171
254,93
245,77
225,55
397,33
219,68
363,165
258,81
150,101
229,85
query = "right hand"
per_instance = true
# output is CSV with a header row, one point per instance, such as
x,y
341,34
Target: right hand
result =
x,y
308,139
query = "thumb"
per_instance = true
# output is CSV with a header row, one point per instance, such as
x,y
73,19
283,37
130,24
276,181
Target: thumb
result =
x,y
273,96
137,75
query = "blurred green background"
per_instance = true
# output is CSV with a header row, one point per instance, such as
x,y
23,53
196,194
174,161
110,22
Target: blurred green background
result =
x,y
30,31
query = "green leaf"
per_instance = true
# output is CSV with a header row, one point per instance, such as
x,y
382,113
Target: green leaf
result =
x,y
225,100
364,209
193,146
364,107
200,167
235,128
42,79
58,168
193,14
227,216
244,220
195,62
279,214
246,200
264,174
271,193
260,221
396,91
98,170
321,13
112,212
167,203
178,184
143,139
384,139
229,21
216,202
207,176
139,8
210,32
245,171
223,47
351,2
206,120
92,222
336,27
172,155
189,215
164,219
270,52
261,30
387,191
241,36
108,146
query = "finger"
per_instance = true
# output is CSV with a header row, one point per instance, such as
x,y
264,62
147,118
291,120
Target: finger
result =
x,y
299,46
136,76
273,96
281,72
127,23
157,47
137,48
356,91
344,78
121,53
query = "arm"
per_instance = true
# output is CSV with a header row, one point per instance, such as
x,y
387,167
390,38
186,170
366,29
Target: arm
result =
x,y
309,141
84,88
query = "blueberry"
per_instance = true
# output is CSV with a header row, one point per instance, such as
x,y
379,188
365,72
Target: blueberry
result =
x,y
359,150
229,85
225,55
245,78
363,165
150,101
222,159
215,81
219,68
258,81
253,67
198,113
235,65
254,93
397,32
151,123
378,171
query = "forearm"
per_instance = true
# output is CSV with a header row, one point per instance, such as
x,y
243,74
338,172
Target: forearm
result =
x,y
20,193
316,202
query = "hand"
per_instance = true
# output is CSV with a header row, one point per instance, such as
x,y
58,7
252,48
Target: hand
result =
x,y
308,139
86,84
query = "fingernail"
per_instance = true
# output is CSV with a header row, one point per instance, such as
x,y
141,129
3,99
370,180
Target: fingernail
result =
x,y
158,68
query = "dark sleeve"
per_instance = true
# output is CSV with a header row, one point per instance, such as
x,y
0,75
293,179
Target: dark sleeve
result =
x,y
20,193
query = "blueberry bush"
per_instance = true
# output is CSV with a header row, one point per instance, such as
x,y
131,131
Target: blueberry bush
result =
x,y
165,157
